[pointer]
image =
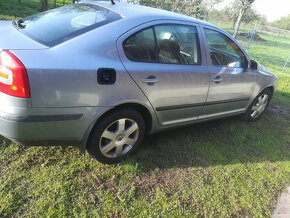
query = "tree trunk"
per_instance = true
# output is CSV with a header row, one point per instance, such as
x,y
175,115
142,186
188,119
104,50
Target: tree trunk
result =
x,y
208,11
234,23
43,5
242,11
54,4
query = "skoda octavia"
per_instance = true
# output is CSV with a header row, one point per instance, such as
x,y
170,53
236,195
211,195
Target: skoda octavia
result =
x,y
101,76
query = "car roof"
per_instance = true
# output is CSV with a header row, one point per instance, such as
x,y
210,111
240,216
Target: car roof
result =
x,y
132,11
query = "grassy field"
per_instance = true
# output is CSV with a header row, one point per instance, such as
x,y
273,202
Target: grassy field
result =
x,y
222,168
12,9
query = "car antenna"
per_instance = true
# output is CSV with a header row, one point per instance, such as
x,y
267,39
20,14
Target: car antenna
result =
x,y
113,3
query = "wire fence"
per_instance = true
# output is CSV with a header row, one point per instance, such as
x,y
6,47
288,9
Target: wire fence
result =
x,y
273,43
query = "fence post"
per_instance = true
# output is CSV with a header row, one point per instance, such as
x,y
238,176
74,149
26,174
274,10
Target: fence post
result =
x,y
285,63
252,35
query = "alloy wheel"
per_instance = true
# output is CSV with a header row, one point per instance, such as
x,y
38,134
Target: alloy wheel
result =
x,y
119,138
259,106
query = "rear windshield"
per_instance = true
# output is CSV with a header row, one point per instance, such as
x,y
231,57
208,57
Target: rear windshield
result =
x,y
58,25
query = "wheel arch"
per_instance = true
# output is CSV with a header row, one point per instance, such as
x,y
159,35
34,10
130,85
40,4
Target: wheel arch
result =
x,y
271,88
143,110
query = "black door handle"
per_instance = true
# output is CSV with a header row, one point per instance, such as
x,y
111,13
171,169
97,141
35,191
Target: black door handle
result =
x,y
217,79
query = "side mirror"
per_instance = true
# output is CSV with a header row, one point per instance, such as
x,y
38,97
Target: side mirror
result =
x,y
254,65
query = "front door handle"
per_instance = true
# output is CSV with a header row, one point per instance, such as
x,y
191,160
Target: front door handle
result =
x,y
150,80
217,79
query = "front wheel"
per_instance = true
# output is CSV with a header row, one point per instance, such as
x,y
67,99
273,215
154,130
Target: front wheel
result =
x,y
258,106
116,136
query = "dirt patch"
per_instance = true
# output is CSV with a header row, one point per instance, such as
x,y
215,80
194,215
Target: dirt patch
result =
x,y
163,180
256,36
277,110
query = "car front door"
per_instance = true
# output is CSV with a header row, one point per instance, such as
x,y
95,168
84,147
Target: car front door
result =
x,y
167,63
231,82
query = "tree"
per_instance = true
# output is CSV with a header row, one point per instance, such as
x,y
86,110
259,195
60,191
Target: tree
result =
x,y
233,12
244,6
190,8
187,7
252,16
283,23
209,4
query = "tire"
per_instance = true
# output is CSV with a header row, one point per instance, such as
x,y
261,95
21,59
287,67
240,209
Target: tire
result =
x,y
116,136
258,106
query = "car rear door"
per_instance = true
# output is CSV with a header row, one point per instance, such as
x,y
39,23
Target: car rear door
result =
x,y
167,61
231,81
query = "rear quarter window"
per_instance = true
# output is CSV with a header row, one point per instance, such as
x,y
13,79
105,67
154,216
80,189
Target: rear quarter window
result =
x,y
58,25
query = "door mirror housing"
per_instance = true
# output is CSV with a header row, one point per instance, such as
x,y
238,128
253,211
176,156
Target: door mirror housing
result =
x,y
254,65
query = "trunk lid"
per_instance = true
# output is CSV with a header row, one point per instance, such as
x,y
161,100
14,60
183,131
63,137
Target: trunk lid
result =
x,y
12,39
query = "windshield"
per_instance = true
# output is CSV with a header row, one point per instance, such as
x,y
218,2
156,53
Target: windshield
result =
x,y
58,25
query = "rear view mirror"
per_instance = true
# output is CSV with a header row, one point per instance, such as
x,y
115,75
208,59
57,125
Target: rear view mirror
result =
x,y
254,65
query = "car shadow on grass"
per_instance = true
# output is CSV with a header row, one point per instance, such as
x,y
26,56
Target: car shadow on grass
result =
x,y
219,142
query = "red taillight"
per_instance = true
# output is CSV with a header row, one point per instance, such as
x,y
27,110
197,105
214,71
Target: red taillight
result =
x,y
13,76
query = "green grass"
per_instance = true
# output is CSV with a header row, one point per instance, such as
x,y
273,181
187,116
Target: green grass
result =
x,y
12,10
222,168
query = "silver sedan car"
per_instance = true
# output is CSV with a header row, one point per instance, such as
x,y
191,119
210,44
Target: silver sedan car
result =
x,y
101,76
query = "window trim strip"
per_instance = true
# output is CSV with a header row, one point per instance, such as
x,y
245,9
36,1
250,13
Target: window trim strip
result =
x,y
199,43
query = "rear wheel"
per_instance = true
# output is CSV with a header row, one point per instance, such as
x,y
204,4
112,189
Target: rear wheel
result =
x,y
116,136
258,106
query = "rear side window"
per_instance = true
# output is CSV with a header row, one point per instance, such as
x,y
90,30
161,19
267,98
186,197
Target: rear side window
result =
x,y
141,46
174,44
58,25
223,51
177,44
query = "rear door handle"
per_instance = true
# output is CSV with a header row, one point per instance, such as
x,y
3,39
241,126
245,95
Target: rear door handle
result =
x,y
150,80
217,79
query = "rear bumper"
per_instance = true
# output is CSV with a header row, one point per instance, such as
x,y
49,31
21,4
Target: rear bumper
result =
x,y
42,129
45,126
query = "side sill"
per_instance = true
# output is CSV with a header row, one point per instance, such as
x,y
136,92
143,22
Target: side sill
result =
x,y
174,107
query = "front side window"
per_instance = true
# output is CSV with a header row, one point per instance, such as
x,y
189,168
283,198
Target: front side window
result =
x,y
58,25
223,51
175,44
